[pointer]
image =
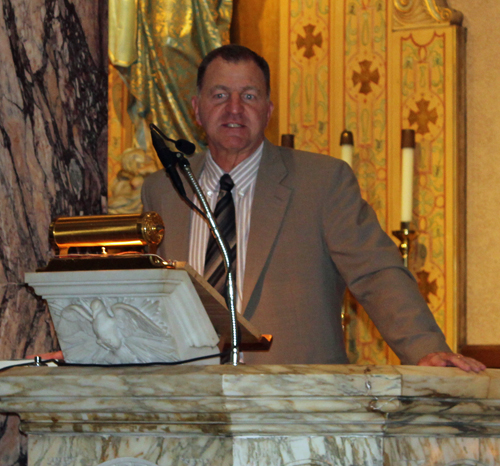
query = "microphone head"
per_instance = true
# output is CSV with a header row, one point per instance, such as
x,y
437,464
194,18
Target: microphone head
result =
x,y
166,156
185,147
182,145
157,140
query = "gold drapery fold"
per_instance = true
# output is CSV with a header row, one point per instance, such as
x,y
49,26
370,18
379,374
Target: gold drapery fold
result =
x,y
172,38
156,47
122,32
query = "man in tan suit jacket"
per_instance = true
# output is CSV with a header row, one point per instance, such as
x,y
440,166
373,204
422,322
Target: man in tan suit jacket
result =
x,y
311,233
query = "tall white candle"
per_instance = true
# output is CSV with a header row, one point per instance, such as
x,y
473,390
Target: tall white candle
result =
x,y
346,153
347,146
407,160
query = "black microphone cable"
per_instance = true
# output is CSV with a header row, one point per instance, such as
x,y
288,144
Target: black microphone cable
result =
x,y
38,362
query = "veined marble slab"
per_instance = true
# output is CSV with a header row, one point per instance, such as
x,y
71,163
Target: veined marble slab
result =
x,y
307,380
264,451
302,450
53,156
161,451
254,415
423,451
13,446
208,451
53,146
250,400
436,382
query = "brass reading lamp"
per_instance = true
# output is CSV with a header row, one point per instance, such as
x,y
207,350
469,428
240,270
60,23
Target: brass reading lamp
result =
x,y
123,241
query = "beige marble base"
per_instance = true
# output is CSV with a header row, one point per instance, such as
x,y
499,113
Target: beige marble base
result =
x,y
416,451
205,451
278,450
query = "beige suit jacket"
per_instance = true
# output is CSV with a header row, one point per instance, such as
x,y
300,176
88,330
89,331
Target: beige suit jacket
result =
x,y
311,234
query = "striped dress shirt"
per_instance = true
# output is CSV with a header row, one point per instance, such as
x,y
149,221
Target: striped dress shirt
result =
x,y
244,177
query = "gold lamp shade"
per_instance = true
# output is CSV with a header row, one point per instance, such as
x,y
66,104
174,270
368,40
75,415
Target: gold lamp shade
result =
x,y
108,231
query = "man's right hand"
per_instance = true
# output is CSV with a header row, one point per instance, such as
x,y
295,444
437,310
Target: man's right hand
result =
x,y
443,359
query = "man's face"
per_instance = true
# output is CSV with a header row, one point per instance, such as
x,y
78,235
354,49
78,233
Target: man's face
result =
x,y
233,108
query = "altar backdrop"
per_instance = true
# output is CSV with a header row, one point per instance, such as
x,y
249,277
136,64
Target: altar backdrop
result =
x,y
373,67
376,67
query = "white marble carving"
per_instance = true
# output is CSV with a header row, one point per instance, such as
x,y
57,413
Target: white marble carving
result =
x,y
99,330
127,316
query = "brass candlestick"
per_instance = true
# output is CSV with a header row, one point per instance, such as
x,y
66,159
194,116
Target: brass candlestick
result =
x,y
405,235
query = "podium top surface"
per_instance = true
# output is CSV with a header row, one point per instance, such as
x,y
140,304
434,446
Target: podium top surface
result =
x,y
242,380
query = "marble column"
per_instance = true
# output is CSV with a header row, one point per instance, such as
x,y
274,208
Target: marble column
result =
x,y
53,156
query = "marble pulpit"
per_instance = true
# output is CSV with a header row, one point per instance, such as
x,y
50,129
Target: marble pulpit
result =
x,y
255,415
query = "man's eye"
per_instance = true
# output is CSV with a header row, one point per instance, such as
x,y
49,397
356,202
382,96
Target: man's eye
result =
x,y
220,95
249,97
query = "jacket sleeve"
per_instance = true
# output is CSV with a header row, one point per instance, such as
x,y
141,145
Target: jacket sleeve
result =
x,y
372,268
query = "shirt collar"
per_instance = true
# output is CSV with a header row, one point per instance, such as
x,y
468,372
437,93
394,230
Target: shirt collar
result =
x,y
243,175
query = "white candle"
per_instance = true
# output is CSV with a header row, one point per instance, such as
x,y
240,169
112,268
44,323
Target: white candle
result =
x,y
407,158
346,153
347,147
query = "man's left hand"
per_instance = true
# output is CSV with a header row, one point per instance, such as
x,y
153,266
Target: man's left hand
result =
x,y
452,359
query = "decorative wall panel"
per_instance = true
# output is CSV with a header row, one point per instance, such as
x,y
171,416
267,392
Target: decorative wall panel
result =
x,y
365,97
304,79
422,89
365,114
387,66
309,74
430,103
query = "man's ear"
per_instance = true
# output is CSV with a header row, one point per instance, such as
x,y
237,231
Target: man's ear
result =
x,y
194,104
270,111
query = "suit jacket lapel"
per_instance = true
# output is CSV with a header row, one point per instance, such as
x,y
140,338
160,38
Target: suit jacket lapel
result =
x,y
269,206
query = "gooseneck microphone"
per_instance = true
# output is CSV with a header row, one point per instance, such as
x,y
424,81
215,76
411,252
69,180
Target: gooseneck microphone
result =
x,y
170,159
182,145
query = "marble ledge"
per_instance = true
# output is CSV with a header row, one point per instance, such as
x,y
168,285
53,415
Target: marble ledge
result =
x,y
263,424
249,382
441,382
248,400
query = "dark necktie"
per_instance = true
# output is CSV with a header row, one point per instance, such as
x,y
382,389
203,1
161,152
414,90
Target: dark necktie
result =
x,y
225,217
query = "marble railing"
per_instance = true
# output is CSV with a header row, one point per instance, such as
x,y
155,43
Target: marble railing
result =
x,y
246,415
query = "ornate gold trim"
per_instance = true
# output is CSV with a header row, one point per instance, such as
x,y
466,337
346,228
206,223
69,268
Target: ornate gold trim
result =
x,y
423,13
